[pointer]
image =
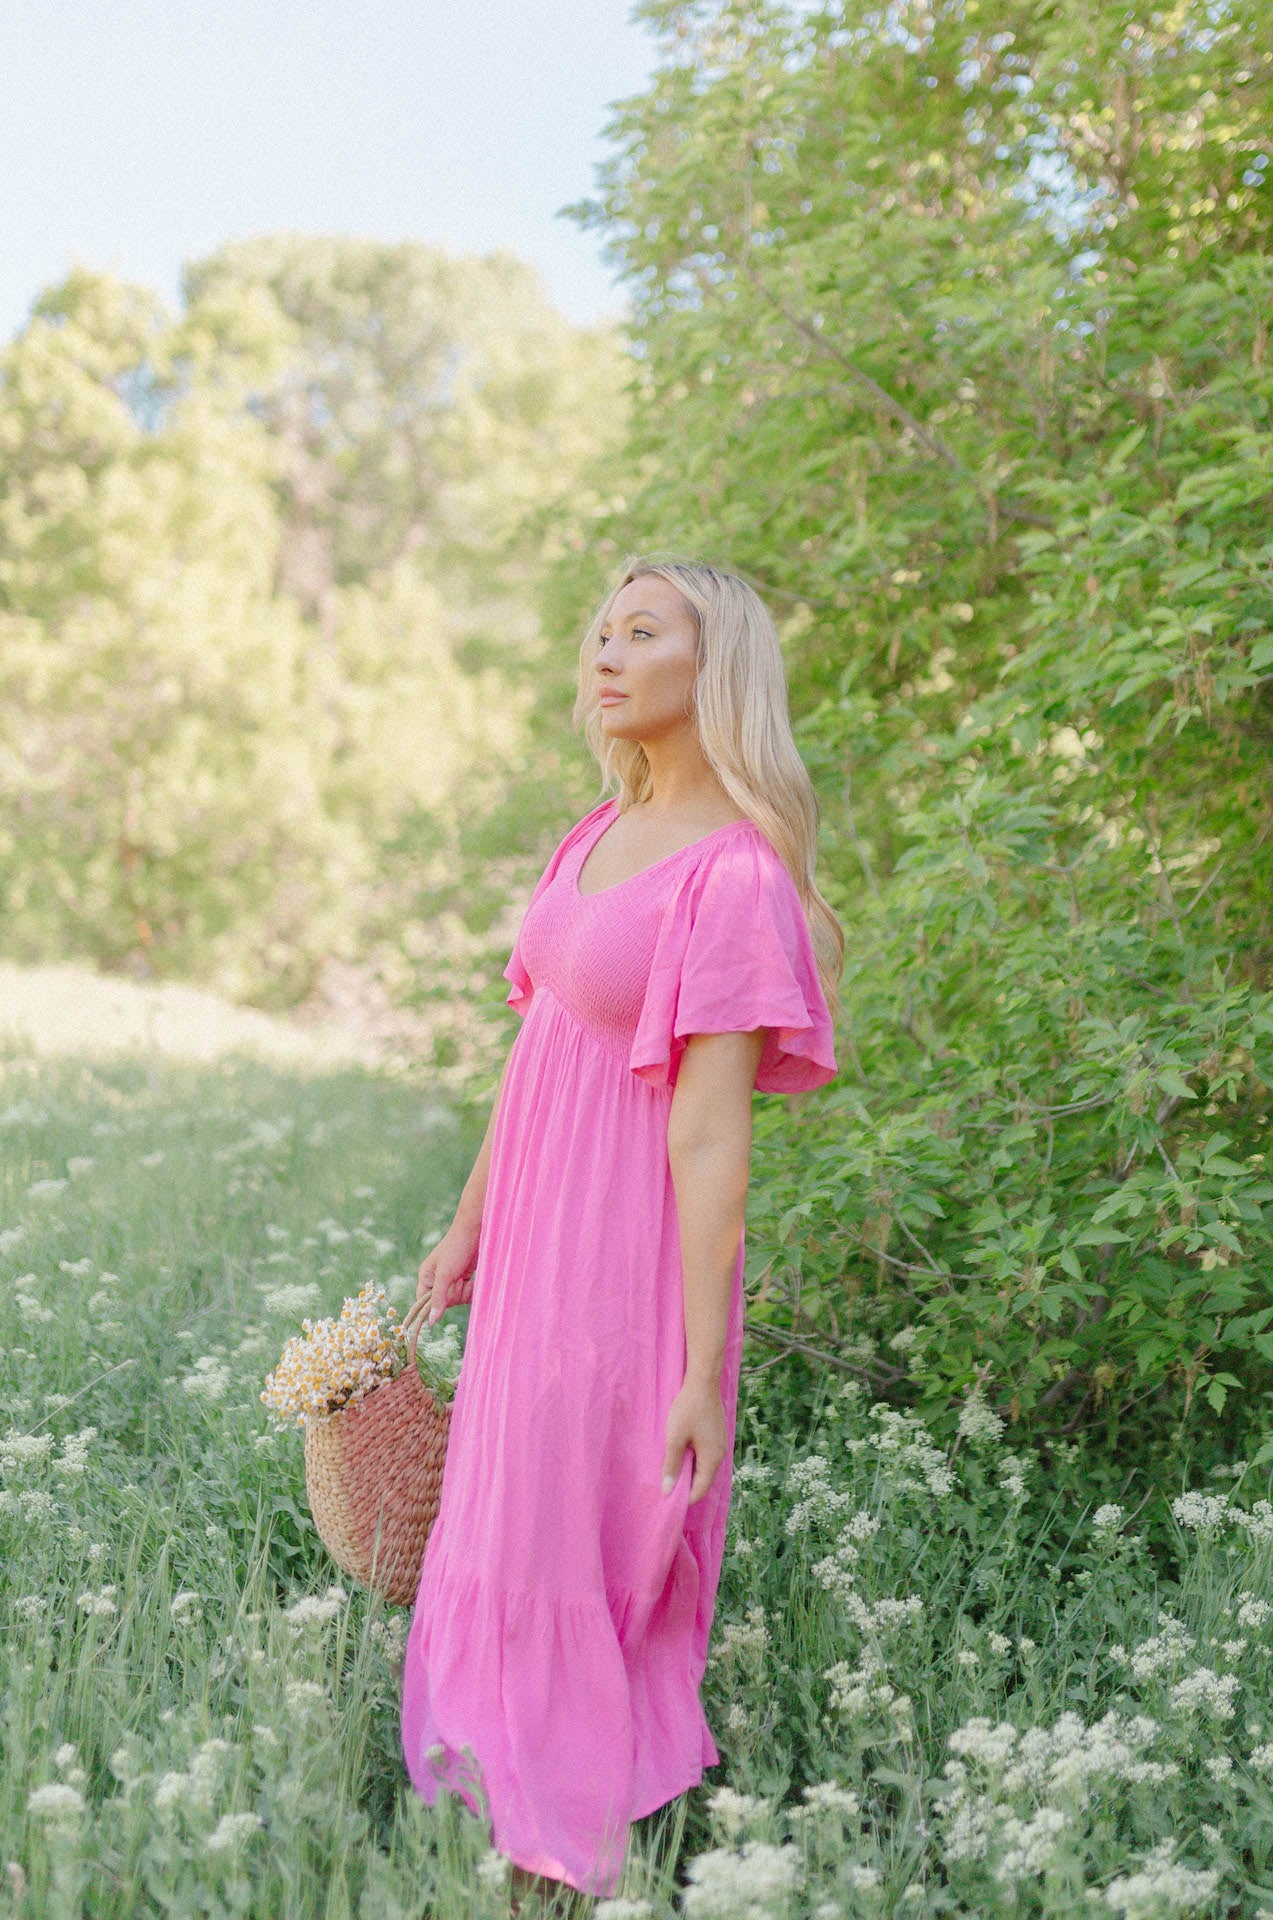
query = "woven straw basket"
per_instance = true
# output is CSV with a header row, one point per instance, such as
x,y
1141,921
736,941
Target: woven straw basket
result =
x,y
373,1474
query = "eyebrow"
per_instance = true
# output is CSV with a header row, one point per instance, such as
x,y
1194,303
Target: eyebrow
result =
x,y
641,613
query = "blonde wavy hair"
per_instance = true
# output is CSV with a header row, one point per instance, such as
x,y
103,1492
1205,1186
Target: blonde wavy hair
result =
x,y
744,727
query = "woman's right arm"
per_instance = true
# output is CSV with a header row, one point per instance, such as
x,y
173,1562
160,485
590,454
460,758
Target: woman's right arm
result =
x,y
446,1273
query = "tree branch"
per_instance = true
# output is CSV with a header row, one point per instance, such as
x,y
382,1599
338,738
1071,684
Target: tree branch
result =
x,y
892,406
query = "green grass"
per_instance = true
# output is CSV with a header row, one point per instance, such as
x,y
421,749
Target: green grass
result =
x,y
881,1598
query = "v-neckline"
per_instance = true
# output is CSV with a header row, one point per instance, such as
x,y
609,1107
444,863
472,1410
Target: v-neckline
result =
x,y
662,862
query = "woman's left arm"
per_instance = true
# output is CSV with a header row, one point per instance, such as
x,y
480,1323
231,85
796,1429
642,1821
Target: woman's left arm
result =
x,y
709,1149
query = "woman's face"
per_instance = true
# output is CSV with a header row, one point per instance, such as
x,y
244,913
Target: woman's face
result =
x,y
647,661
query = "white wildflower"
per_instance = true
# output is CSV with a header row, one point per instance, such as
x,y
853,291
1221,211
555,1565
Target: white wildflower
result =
x,y
817,1501
1203,1691
303,1693
77,1268
210,1379
725,1885
1252,1613
155,1159
1012,1475
622,1909
292,1301
391,1635
828,1796
966,1827
861,1879
314,1610
905,1449
885,1616
35,1504
57,1801
21,1450
977,1421
738,1637
123,1764
98,1604
196,1788
1261,1758
232,1828
1030,1843
10,1238
75,1450
861,1526
1109,1518
1201,1512
735,1813
856,1691
752,1473
1160,1887
981,1740
1258,1522
999,1644
45,1189
1219,1766
1168,1648
185,1607
966,1657
492,1870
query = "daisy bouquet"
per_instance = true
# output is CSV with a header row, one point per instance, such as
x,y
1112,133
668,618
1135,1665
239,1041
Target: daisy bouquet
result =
x,y
335,1362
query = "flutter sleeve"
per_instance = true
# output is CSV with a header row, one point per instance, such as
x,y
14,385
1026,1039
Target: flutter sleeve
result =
x,y
522,990
733,954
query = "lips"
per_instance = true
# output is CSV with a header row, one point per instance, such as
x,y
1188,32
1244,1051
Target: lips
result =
x,y
612,699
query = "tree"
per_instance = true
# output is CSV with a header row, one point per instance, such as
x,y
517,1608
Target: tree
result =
x,y
264,601
951,324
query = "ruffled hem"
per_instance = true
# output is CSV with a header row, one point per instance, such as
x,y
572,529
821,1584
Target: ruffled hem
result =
x,y
505,1713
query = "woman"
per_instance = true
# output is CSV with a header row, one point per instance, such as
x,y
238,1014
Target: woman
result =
x,y
664,968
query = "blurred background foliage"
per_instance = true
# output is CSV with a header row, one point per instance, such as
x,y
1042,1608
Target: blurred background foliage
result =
x,y
266,620
950,331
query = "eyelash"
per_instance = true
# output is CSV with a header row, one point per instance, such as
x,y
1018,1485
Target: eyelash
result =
x,y
644,631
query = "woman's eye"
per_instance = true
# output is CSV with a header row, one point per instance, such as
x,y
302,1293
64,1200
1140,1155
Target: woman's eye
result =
x,y
641,632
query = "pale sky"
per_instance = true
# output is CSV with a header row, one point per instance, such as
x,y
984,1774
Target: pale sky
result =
x,y
139,134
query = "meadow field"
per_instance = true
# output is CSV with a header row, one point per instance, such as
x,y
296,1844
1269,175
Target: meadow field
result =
x,y
954,1679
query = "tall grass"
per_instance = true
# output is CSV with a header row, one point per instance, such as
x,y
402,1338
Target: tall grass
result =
x,y
951,1679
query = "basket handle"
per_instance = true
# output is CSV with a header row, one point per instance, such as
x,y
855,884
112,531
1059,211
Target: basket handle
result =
x,y
414,1314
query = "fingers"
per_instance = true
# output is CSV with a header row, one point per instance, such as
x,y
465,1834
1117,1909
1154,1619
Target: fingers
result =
x,y
672,1466
704,1474
449,1293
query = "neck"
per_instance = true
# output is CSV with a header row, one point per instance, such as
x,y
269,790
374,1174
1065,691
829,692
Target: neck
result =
x,y
680,776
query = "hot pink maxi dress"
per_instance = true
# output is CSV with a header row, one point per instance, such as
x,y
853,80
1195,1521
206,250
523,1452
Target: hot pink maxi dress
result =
x,y
561,1625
